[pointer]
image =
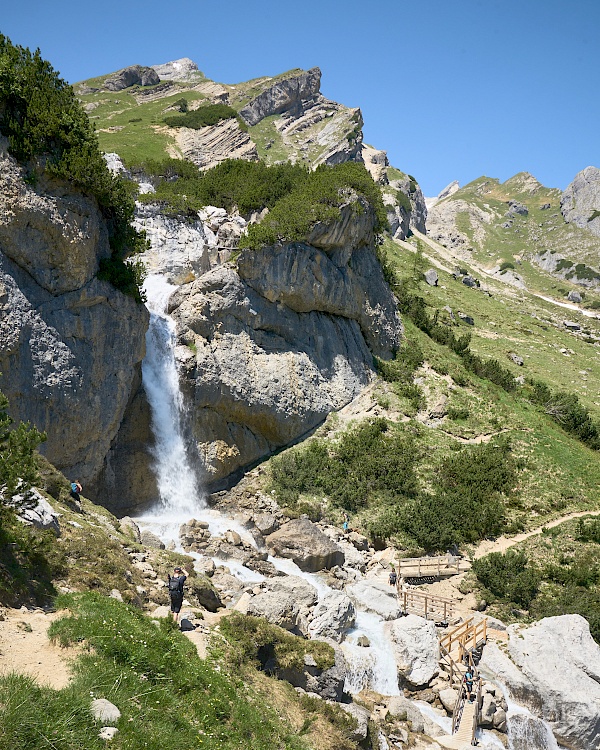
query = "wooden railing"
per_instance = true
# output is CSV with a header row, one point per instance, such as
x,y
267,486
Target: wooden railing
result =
x,y
425,605
417,567
467,636
460,704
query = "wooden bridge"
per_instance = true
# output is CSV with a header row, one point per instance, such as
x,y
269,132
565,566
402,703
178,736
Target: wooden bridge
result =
x,y
423,568
458,649
415,602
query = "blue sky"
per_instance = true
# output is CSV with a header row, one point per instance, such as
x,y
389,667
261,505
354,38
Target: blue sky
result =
x,y
452,90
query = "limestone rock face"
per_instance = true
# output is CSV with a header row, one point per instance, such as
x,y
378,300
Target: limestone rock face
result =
x,y
177,70
182,250
269,366
131,76
580,203
70,345
415,646
55,234
303,542
554,669
283,96
332,616
208,146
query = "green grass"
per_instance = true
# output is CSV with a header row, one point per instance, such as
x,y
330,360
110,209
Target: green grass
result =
x,y
168,697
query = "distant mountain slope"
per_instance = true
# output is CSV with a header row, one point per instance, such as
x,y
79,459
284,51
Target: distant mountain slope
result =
x,y
516,228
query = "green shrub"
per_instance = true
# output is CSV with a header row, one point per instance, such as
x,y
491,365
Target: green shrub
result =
x,y
249,637
509,576
371,463
318,198
48,131
457,413
566,409
506,266
209,114
403,201
588,530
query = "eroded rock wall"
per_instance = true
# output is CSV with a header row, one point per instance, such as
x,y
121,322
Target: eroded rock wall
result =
x,y
70,345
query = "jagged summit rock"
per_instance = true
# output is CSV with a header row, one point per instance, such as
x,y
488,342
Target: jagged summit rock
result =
x,y
580,203
131,76
445,193
285,95
183,69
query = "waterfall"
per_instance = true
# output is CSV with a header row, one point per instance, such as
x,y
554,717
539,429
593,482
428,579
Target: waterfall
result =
x,y
179,492
526,732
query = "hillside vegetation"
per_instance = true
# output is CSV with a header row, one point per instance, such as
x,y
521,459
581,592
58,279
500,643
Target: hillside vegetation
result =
x,y
49,133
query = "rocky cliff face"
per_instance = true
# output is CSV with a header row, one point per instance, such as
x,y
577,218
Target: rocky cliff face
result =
x,y
286,95
281,341
70,345
580,203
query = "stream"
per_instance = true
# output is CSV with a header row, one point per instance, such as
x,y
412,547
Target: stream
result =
x,y
181,498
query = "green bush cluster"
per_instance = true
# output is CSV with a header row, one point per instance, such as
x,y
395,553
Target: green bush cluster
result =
x,y
507,266
374,466
249,637
232,184
371,463
566,409
49,132
210,114
467,499
28,557
297,199
316,199
509,576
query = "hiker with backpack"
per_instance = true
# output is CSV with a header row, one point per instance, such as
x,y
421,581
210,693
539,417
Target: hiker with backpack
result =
x,y
175,585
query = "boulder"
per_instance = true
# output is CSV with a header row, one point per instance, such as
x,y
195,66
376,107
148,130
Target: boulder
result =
x,y
108,733
33,509
105,711
278,608
571,325
131,76
303,542
266,523
148,539
361,716
377,597
405,710
205,592
328,683
431,277
415,648
553,668
488,709
332,616
449,698
303,593
516,359
574,296
129,526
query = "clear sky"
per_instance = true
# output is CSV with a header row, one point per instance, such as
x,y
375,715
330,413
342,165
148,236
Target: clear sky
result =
x,y
450,89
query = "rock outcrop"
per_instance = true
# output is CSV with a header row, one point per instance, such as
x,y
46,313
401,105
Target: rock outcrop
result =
x,y
279,344
131,76
303,542
208,146
415,646
183,69
559,683
285,95
70,345
580,203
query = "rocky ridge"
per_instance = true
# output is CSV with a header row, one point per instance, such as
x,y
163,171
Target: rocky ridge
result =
x,y
580,203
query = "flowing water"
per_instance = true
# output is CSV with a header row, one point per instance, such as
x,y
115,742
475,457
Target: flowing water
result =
x,y
181,498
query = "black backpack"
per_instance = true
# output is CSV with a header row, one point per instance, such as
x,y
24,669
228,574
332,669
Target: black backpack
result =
x,y
175,585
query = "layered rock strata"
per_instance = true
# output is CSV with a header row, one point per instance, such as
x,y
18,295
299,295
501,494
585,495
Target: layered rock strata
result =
x,y
580,203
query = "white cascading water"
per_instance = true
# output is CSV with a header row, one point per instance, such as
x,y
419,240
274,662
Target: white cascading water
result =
x,y
182,498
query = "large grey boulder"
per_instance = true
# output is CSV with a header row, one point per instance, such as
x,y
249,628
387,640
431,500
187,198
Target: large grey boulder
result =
x,y
278,607
131,76
377,597
70,345
285,95
553,668
580,203
303,593
33,509
205,592
415,648
332,616
303,542
328,683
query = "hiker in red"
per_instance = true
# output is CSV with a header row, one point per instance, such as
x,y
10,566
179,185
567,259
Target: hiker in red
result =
x,y
175,584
